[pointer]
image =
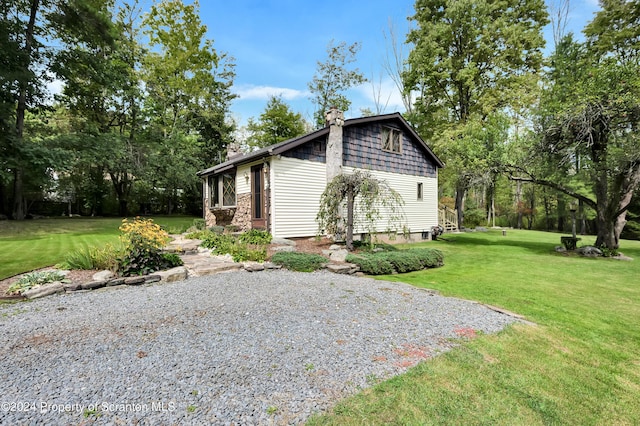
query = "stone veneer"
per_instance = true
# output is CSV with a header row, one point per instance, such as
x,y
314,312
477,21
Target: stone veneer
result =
x,y
242,216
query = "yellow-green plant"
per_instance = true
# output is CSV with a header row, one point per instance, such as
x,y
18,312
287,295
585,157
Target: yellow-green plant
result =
x,y
142,240
142,234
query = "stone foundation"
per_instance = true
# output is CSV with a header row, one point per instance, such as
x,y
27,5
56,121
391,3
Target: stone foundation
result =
x,y
218,217
242,216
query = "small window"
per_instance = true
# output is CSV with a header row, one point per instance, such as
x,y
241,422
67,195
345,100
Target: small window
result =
x,y
317,147
420,194
222,191
228,190
391,140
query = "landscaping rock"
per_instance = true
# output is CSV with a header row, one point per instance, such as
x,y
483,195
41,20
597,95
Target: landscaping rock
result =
x,y
270,265
560,249
589,251
178,273
115,282
44,290
103,275
94,284
253,266
286,249
223,258
282,242
622,257
152,278
335,247
343,268
339,255
71,286
216,269
134,280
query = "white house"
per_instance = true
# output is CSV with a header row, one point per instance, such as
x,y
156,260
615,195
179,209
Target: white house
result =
x,y
278,188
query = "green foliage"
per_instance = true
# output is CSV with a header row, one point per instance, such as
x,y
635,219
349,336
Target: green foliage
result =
x,y
277,123
365,197
142,240
255,236
370,265
301,262
243,253
400,261
35,279
333,78
218,242
217,229
249,246
171,260
199,224
93,258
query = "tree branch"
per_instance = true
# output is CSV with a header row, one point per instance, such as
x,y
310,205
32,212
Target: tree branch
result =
x,y
550,184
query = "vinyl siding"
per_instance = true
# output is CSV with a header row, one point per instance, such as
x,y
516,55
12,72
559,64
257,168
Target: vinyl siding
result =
x,y
296,187
420,215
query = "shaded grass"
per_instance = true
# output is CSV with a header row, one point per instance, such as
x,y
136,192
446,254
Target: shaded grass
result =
x,y
579,365
33,244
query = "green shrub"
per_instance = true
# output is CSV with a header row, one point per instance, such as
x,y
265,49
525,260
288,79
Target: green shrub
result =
x,y
199,224
171,260
231,228
142,240
401,261
198,235
255,236
93,258
366,247
218,243
430,258
370,264
244,253
34,279
217,229
301,262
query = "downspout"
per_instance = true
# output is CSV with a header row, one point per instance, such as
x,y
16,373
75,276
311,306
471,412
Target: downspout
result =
x,y
267,193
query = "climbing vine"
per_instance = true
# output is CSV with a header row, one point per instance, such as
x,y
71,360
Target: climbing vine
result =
x,y
363,199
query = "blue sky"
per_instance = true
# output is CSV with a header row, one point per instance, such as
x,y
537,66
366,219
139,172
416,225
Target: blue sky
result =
x,y
277,43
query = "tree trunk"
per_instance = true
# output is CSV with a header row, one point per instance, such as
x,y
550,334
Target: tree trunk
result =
x,y
350,204
561,213
460,193
518,207
18,190
583,222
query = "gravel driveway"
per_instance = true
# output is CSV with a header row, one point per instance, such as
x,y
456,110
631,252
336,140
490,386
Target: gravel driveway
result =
x,y
243,348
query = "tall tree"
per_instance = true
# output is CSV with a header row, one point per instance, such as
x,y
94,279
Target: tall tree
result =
x,y
332,78
469,59
276,124
593,133
188,90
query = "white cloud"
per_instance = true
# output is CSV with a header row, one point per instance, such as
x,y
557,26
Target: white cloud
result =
x,y
249,91
384,93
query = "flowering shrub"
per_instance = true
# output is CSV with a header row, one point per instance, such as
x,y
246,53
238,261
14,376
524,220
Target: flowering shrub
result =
x,y
142,240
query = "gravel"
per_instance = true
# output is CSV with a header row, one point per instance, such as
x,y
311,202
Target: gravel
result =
x,y
237,348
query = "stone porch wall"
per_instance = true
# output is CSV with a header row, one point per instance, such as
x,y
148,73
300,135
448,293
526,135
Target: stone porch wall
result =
x,y
242,216
220,217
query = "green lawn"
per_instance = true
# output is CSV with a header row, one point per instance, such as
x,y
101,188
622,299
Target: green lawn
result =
x,y
32,244
580,365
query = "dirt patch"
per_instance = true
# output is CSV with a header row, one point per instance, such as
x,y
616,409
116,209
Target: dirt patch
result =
x,y
307,245
75,276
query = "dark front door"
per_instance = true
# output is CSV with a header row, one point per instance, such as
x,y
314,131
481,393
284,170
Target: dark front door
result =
x,y
258,216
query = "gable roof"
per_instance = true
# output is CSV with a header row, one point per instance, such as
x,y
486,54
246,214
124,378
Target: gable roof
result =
x,y
284,146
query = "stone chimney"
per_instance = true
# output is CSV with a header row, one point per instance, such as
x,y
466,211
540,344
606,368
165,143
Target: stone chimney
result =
x,y
335,120
233,150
